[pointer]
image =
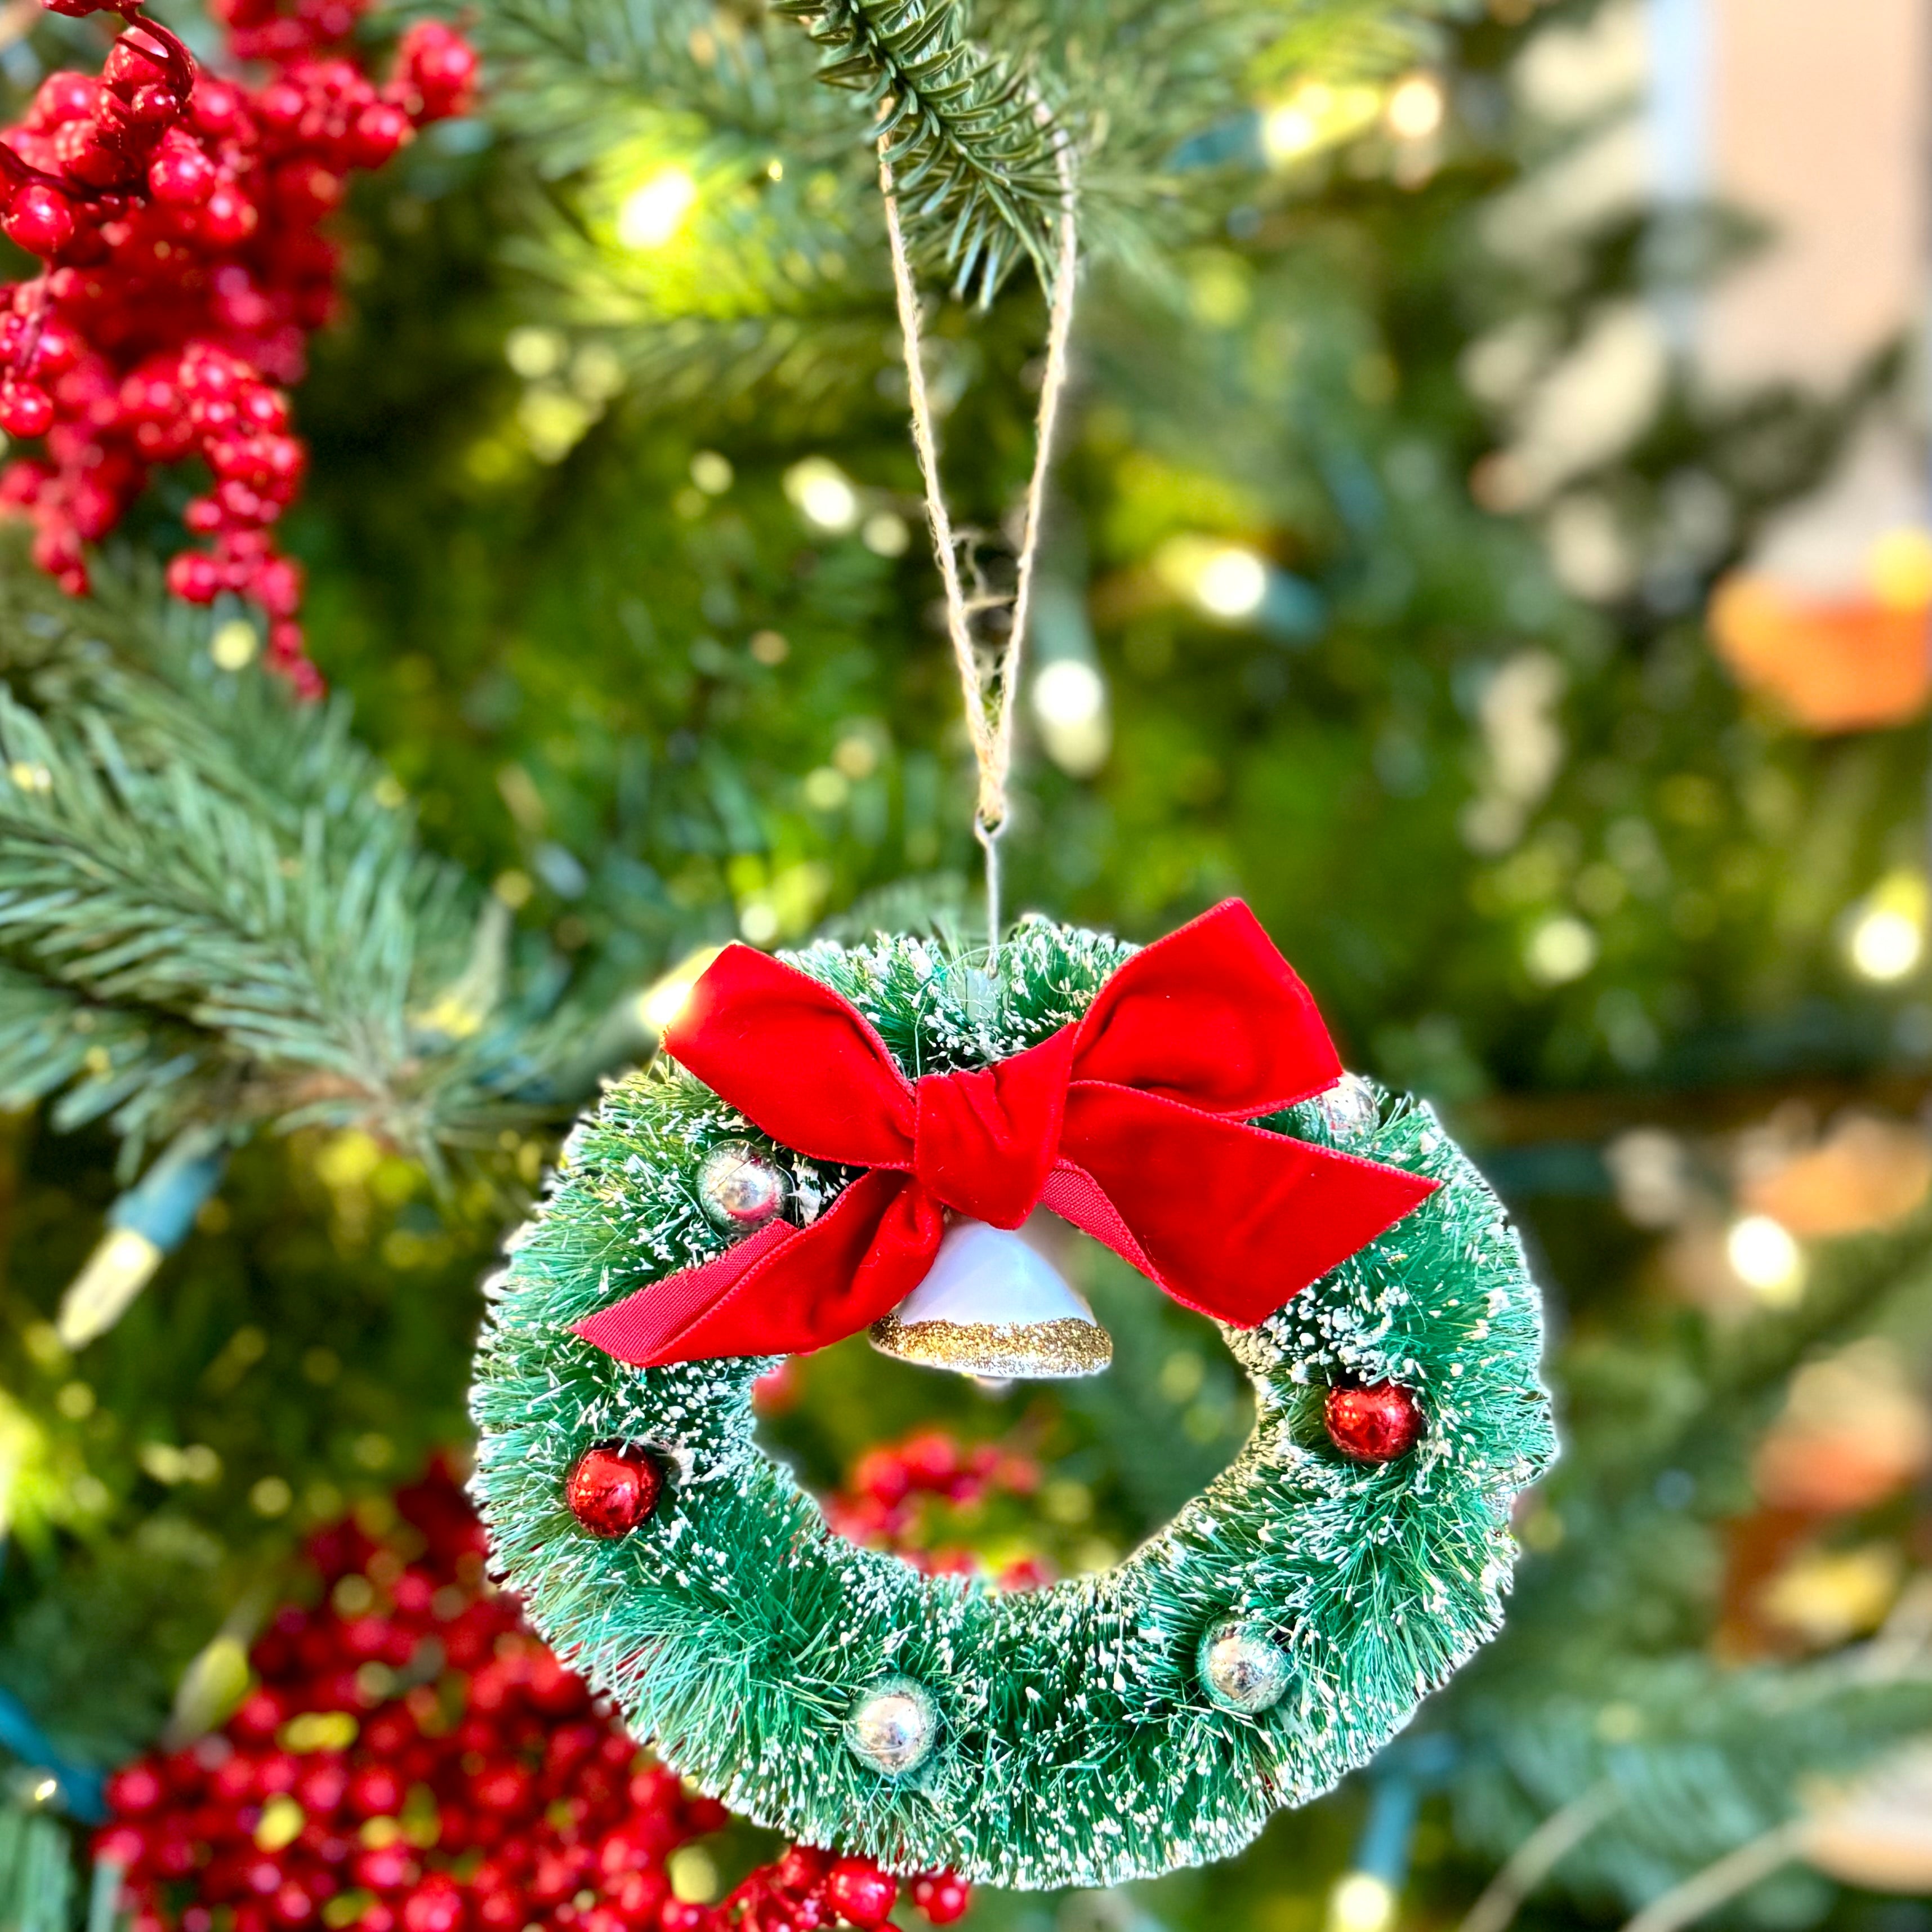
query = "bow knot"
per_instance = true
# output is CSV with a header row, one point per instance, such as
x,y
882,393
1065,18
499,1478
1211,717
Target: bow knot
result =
x,y
1132,1123
985,1142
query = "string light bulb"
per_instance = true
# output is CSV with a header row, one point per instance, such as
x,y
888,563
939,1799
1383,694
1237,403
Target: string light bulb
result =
x,y
653,213
1765,1257
1233,583
1885,939
822,494
1069,704
1416,108
1361,1903
661,1002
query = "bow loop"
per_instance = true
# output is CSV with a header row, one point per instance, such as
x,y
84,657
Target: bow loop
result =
x,y
796,1060
1212,1015
1131,1125
986,1141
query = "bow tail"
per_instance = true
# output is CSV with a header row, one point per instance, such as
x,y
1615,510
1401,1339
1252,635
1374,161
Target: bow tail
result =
x,y
1226,1218
787,1291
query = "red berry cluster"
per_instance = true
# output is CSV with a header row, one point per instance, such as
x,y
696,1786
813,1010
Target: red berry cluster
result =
x,y
883,1505
412,1760
180,220
807,1889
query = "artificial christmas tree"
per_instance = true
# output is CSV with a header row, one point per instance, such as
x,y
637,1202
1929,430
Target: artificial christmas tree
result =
x,y
608,532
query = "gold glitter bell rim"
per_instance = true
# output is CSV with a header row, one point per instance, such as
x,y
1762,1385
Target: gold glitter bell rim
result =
x,y
992,1306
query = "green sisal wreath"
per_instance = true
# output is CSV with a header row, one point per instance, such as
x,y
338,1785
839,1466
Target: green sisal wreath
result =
x,y
1270,1638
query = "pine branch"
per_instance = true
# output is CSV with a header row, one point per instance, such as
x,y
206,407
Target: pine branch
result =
x,y
970,144
600,91
210,905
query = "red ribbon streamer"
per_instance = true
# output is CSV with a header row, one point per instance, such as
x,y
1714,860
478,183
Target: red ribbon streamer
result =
x,y
1131,1124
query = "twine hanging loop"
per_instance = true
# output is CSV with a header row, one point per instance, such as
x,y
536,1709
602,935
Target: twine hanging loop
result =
x,y
991,693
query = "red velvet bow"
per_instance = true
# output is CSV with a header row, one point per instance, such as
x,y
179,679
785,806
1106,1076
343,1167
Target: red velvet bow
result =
x,y
1131,1124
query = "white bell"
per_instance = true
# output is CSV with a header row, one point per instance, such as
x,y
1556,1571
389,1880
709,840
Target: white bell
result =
x,y
992,1306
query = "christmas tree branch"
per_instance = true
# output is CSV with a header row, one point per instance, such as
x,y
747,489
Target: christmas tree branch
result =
x,y
213,905
970,145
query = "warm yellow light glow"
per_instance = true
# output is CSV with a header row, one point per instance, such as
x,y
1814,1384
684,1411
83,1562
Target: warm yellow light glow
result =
x,y
1232,582
1886,945
653,213
1068,691
46,1790
660,1004
1765,1258
1361,1903
1899,565
1415,108
1885,939
234,644
822,494
1069,703
1287,131
712,472
1226,580
1315,116
886,534
1560,949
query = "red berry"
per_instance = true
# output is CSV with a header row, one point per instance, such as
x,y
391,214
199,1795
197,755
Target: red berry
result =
x,y
228,217
612,1489
437,1905
215,106
182,176
942,1896
292,1905
25,409
39,219
63,97
679,1915
859,1891
380,130
152,108
639,1896
882,1475
500,1911
932,1458
59,350
801,1868
439,65
1372,1425
195,578
136,1789
704,1815
130,65
376,1792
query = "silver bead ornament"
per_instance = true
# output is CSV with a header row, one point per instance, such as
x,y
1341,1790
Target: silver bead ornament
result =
x,y
739,1190
1349,1108
1243,1668
893,1726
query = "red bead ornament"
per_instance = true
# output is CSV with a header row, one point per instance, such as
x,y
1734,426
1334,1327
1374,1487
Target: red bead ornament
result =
x,y
178,218
860,1893
1372,1425
611,1489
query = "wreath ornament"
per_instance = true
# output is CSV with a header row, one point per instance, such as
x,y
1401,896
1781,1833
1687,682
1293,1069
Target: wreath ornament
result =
x,y
815,1136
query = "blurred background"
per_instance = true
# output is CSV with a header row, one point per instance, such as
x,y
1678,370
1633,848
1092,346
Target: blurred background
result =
x,y
1490,534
